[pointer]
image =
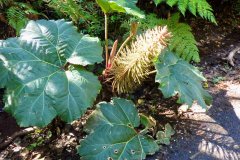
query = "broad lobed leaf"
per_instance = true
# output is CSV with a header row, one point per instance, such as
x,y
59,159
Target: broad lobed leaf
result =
x,y
177,76
109,6
38,87
113,134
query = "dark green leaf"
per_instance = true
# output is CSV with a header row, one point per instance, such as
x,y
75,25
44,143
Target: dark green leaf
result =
x,y
113,134
177,76
109,6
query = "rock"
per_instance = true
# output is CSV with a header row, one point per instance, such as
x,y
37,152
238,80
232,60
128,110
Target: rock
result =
x,y
236,146
17,149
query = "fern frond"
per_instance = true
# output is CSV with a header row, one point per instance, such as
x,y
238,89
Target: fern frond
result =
x,y
17,15
133,64
16,18
205,11
69,8
183,42
172,2
4,3
183,5
202,7
82,13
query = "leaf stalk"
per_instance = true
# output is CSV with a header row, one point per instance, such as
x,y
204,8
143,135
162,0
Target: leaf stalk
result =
x,y
106,38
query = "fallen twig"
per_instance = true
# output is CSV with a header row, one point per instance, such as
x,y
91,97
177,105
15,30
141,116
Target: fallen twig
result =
x,y
15,135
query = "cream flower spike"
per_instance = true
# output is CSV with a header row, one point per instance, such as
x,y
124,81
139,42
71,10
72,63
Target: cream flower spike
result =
x,y
134,63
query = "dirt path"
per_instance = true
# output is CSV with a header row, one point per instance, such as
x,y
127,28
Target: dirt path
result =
x,y
210,136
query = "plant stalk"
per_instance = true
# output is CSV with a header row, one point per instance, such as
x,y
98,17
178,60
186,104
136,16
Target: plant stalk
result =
x,y
106,38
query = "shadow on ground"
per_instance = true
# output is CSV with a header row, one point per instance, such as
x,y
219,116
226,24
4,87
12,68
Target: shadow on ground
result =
x,y
210,136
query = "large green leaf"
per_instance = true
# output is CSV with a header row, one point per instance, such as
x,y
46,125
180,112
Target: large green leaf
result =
x,y
109,6
113,133
177,76
39,87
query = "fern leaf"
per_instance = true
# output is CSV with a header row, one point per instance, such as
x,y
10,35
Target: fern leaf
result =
x,y
172,2
205,11
17,15
192,6
182,6
183,42
16,18
68,8
158,1
4,3
200,7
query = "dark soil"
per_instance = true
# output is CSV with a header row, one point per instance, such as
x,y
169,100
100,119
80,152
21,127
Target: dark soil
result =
x,y
201,136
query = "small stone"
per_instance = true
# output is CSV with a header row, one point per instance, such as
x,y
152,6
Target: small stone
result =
x,y
17,149
140,101
236,146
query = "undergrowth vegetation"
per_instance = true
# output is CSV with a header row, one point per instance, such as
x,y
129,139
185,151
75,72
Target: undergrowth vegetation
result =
x,y
44,69
17,14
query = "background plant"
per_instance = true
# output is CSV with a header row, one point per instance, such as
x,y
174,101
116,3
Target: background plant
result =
x,y
17,14
84,13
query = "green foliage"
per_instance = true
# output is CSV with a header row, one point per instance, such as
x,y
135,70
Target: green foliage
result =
x,y
237,7
17,13
40,73
200,7
39,140
217,80
113,133
177,76
163,137
85,14
70,8
4,2
182,41
109,6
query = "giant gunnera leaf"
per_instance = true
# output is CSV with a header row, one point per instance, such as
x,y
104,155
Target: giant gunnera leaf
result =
x,y
113,134
36,68
176,76
124,6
